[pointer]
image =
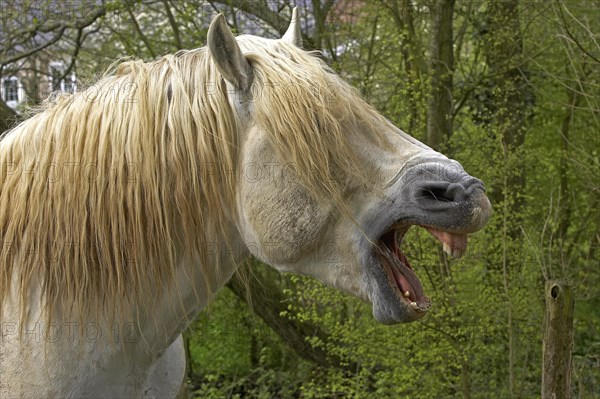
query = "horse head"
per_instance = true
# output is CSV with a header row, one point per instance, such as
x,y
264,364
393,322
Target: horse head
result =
x,y
328,186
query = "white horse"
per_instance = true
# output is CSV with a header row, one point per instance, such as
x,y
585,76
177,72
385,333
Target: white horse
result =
x,y
124,208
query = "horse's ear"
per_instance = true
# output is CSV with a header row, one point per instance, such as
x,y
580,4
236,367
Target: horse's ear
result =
x,y
227,55
293,34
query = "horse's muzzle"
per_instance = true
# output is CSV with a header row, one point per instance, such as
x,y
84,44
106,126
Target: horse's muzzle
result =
x,y
445,195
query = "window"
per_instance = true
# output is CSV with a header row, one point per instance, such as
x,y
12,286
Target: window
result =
x,y
10,92
68,84
55,76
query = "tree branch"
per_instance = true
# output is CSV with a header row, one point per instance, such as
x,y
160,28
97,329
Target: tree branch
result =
x,y
571,36
60,28
78,42
140,33
36,49
268,302
173,23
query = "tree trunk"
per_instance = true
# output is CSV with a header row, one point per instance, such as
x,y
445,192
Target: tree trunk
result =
x,y
465,379
7,116
507,112
415,66
268,301
565,160
558,340
503,47
439,110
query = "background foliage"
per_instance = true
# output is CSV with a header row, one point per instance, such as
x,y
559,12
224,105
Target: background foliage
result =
x,y
509,88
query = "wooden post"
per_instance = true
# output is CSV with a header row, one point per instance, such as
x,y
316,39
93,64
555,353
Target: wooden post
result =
x,y
558,340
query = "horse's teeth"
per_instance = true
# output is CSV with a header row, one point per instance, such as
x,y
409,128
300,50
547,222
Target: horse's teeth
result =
x,y
457,253
447,248
407,294
454,252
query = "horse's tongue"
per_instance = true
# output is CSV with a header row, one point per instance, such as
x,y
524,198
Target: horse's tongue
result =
x,y
407,279
454,244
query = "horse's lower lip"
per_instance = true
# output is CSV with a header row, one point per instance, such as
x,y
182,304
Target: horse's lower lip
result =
x,y
420,304
402,279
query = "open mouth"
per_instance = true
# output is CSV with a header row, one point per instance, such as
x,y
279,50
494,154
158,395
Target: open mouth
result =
x,y
404,281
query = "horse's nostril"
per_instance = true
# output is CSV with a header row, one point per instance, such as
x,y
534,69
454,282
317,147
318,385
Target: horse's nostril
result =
x,y
442,192
435,193
457,192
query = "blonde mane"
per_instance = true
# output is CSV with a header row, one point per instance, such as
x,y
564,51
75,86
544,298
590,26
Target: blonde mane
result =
x,y
104,192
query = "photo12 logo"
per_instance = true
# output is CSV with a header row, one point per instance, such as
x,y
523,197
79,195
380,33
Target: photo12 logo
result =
x,y
40,12
71,332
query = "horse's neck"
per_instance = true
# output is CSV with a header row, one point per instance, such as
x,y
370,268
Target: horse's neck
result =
x,y
192,290
154,327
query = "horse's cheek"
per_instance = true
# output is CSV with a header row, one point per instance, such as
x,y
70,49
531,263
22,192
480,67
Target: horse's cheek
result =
x,y
287,222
